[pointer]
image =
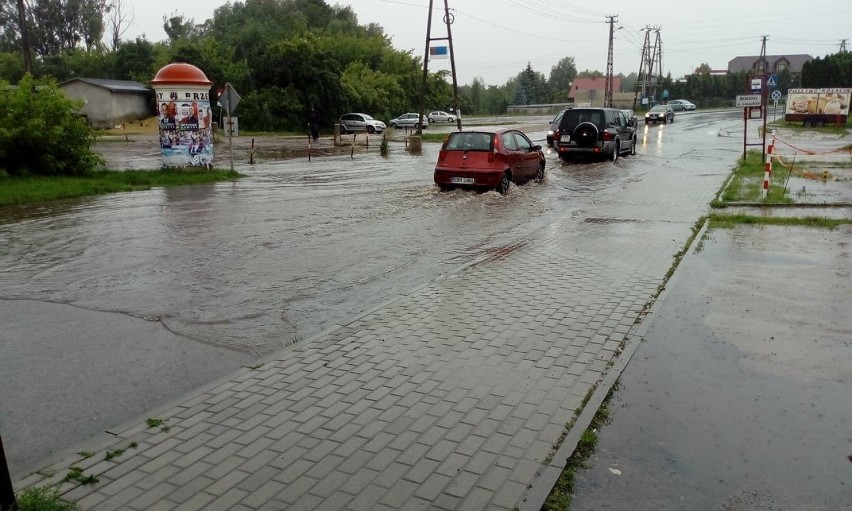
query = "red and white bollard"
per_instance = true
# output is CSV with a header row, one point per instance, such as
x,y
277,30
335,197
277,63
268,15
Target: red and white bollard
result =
x,y
767,167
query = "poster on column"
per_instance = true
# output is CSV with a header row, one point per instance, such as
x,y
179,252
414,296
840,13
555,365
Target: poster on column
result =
x,y
186,138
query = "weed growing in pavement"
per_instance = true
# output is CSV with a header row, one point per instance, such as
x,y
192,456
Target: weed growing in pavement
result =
x,y
76,475
154,423
86,454
43,498
560,496
731,221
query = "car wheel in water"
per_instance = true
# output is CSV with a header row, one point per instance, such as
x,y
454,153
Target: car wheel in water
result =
x,y
371,129
393,125
539,174
615,152
431,119
504,184
450,119
342,129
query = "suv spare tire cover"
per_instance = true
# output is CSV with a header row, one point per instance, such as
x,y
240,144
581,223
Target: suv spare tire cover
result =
x,y
585,134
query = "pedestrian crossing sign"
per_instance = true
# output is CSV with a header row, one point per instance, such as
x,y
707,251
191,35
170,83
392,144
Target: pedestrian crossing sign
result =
x,y
772,82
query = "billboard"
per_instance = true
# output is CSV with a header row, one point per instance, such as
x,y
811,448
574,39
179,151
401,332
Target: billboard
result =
x,y
805,102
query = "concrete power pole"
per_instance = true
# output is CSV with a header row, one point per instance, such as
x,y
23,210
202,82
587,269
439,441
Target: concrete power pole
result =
x,y
609,71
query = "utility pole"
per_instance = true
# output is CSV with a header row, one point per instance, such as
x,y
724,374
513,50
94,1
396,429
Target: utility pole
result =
x,y
651,56
843,45
609,71
448,20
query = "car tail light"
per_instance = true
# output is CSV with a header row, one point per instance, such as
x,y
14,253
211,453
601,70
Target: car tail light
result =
x,y
607,136
556,135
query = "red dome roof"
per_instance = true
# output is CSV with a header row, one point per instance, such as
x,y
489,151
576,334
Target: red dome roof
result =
x,y
180,73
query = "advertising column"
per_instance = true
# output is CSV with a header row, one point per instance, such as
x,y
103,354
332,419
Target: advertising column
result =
x,y
182,92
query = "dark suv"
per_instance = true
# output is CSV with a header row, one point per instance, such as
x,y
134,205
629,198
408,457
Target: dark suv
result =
x,y
595,131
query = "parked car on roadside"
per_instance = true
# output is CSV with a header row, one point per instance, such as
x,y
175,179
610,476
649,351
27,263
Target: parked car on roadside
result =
x,y
409,120
441,116
595,132
356,123
659,113
681,104
486,159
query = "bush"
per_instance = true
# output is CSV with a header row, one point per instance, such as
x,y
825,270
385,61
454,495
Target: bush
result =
x,y
41,131
42,498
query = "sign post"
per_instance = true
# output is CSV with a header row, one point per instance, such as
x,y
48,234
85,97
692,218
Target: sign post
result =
x,y
229,101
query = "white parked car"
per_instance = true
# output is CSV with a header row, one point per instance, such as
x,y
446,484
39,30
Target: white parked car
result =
x,y
409,120
354,123
441,116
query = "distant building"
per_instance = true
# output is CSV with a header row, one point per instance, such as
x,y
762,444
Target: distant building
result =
x,y
108,103
592,91
769,64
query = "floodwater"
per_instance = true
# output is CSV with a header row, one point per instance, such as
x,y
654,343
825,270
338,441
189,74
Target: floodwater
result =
x,y
115,304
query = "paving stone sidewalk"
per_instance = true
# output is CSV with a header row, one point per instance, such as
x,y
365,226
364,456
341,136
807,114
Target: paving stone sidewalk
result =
x,y
450,397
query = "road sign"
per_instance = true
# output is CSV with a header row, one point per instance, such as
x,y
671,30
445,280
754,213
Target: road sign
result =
x,y
665,94
776,95
747,100
229,99
772,82
756,85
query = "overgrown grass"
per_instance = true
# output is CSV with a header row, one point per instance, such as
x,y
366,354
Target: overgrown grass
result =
x,y
434,137
746,184
730,221
35,189
834,129
43,498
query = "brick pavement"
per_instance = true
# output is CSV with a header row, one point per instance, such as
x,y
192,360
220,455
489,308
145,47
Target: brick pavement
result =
x,y
450,397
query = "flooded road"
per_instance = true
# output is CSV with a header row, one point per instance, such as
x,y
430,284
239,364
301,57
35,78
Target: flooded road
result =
x,y
147,295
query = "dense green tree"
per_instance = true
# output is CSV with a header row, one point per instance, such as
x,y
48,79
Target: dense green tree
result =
x,y
57,26
561,76
832,71
41,132
135,60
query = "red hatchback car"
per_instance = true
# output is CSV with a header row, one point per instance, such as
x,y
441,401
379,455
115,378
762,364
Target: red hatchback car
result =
x,y
488,159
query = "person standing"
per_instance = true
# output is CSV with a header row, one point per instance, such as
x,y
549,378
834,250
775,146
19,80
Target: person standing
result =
x,y
313,123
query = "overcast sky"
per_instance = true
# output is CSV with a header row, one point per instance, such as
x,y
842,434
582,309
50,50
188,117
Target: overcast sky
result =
x,y
494,39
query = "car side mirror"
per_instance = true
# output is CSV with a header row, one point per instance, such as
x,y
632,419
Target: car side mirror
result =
x,y
535,148
632,123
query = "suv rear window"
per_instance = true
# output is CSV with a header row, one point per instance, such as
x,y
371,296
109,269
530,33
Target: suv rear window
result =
x,y
576,116
469,141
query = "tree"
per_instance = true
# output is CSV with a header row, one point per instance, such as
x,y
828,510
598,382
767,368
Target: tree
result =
x,y
178,27
118,21
63,25
42,132
561,76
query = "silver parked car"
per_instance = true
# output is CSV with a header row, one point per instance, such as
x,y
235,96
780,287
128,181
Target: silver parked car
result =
x,y
356,123
409,120
441,116
681,104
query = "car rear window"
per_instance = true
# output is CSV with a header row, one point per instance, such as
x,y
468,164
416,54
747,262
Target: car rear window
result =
x,y
470,141
574,117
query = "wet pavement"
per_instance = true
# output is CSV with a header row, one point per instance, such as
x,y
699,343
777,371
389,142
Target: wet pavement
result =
x,y
432,375
740,395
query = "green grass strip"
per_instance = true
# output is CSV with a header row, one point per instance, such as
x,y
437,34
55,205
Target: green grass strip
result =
x,y
718,221
35,189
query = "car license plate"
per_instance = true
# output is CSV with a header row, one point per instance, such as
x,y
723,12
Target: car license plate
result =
x,y
463,180
565,138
